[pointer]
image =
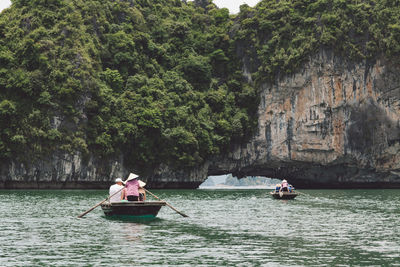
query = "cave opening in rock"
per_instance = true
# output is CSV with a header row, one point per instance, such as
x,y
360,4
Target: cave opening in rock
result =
x,y
228,181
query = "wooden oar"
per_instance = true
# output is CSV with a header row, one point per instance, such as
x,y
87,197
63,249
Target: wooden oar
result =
x,y
92,208
180,213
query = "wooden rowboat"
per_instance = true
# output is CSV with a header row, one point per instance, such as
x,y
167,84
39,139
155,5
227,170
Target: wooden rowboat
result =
x,y
132,210
285,195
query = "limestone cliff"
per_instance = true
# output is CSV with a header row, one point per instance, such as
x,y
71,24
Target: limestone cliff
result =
x,y
334,123
61,171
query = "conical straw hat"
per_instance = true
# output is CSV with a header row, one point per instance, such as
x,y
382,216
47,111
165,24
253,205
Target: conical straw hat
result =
x,y
131,177
141,183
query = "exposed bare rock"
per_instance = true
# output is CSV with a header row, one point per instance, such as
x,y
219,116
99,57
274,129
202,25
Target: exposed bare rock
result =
x,y
61,171
332,124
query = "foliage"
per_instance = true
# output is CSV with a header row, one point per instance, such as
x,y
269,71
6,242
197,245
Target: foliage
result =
x,y
146,79
160,81
279,36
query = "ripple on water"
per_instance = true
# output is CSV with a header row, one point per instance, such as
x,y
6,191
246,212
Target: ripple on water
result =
x,y
225,227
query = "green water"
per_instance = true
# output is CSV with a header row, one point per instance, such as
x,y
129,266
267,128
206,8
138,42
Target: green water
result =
x,y
225,228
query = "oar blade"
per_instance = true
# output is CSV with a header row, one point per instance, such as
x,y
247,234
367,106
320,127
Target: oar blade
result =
x,y
183,214
166,203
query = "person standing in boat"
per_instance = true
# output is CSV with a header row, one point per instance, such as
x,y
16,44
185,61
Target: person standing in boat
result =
x,y
284,186
117,187
132,188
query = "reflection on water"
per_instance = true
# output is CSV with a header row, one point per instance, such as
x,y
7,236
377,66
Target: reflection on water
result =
x,y
225,227
132,232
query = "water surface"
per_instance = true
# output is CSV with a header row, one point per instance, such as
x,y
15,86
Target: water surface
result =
x,y
226,227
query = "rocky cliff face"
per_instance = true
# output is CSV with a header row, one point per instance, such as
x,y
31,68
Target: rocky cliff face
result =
x,y
61,171
332,124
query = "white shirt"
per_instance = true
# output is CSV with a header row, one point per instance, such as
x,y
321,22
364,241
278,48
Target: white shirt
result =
x,y
113,189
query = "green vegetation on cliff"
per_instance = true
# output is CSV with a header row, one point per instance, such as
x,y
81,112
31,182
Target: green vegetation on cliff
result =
x,y
156,81
278,36
160,81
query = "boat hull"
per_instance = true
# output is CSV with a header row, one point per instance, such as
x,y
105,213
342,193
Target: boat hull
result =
x,y
286,195
132,210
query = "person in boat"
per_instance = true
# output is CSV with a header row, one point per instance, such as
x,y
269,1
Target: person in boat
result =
x,y
284,186
117,187
142,191
132,188
277,187
291,188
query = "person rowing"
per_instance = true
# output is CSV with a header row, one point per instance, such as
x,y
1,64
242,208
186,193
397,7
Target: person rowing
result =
x,y
142,191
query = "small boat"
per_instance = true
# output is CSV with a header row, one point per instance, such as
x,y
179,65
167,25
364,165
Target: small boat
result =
x,y
132,210
283,195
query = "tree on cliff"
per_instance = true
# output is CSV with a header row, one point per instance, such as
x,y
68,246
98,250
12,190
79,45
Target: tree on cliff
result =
x,y
278,36
161,81
156,81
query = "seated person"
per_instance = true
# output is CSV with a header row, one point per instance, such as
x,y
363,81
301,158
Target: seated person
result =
x,y
117,187
132,188
142,191
284,186
277,187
